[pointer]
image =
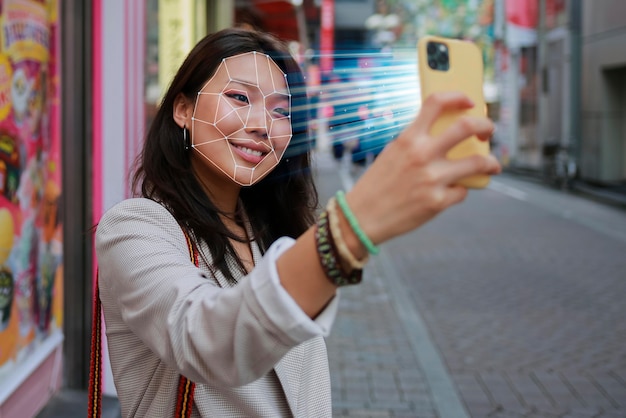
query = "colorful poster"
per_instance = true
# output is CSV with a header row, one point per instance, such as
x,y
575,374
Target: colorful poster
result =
x,y
30,181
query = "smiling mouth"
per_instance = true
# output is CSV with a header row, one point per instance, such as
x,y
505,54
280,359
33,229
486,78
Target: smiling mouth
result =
x,y
249,151
252,156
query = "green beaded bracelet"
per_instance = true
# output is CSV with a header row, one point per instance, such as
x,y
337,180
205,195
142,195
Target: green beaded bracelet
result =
x,y
354,224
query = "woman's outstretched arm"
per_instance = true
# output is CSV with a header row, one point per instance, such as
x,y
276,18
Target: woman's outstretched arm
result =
x,y
409,183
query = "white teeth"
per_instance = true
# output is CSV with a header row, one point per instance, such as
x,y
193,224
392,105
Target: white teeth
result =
x,y
250,151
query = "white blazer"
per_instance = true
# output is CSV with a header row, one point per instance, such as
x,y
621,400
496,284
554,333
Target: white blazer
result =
x,y
250,349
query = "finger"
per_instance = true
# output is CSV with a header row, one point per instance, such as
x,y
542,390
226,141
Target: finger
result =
x,y
433,106
455,195
453,171
489,136
463,128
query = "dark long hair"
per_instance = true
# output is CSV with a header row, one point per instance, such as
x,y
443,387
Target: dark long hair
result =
x,y
281,204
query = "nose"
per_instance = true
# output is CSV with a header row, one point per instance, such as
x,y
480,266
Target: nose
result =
x,y
257,121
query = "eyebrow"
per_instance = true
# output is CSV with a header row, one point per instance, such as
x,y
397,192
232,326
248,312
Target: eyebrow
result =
x,y
240,81
248,83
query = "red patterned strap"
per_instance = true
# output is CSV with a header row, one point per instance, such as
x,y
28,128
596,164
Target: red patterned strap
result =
x,y
95,363
184,401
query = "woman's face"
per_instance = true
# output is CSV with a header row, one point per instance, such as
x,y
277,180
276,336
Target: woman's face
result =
x,y
241,122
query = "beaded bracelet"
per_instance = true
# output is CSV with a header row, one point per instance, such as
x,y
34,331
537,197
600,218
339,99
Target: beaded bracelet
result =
x,y
328,257
335,231
354,224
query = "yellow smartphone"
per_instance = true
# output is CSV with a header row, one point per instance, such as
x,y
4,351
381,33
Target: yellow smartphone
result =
x,y
455,65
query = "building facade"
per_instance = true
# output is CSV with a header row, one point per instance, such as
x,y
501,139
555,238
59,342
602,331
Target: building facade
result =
x,y
561,67
603,93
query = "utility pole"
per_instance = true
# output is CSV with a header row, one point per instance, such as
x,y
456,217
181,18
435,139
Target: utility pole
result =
x,y
575,22
543,111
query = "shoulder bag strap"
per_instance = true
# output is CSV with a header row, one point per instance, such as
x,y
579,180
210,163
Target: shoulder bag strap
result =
x,y
95,362
184,401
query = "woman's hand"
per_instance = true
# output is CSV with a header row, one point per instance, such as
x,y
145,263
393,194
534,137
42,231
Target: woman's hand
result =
x,y
412,181
409,183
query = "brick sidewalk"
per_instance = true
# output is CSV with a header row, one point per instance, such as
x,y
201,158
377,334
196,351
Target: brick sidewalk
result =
x,y
373,368
382,361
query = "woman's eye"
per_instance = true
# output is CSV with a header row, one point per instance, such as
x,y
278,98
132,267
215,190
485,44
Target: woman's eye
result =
x,y
239,97
281,111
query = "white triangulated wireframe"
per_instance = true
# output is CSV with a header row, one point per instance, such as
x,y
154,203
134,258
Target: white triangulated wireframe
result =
x,y
228,116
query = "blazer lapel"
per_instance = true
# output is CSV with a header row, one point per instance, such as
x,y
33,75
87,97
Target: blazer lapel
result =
x,y
204,264
288,370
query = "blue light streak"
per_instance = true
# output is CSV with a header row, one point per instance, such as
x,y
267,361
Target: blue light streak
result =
x,y
373,96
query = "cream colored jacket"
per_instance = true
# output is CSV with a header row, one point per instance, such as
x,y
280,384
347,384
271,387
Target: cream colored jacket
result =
x,y
250,349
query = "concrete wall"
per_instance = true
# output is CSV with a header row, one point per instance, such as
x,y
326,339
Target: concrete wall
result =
x,y
603,139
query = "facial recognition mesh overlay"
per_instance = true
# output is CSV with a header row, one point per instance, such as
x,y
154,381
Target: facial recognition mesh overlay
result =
x,y
241,121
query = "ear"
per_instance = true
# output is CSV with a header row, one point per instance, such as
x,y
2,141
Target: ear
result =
x,y
183,110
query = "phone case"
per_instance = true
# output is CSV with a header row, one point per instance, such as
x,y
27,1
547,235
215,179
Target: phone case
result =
x,y
465,73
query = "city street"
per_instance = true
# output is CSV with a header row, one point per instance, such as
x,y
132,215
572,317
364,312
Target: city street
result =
x,y
509,305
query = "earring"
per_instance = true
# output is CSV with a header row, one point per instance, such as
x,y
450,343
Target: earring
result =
x,y
186,139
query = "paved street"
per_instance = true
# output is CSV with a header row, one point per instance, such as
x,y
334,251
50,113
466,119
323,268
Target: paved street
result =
x,y
509,305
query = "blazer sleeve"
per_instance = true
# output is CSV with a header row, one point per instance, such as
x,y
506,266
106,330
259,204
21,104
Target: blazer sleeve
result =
x,y
209,334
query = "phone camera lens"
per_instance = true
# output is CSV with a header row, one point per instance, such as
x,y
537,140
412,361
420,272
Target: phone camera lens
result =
x,y
443,61
437,55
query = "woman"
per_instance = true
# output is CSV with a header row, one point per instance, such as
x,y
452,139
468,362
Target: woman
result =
x,y
225,175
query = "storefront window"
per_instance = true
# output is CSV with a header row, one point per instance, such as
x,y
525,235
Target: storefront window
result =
x,y
31,269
